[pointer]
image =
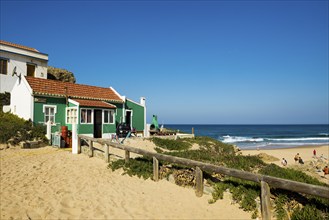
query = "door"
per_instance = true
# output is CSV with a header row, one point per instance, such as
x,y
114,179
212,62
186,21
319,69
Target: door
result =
x,y
97,123
128,118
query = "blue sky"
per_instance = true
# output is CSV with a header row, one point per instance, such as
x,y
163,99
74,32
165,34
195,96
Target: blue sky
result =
x,y
218,62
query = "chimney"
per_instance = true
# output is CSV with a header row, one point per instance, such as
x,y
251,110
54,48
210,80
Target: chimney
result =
x,y
142,101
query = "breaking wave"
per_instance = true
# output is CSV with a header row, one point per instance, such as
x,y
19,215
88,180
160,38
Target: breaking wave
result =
x,y
259,142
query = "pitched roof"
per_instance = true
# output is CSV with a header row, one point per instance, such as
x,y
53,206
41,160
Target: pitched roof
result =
x,y
94,103
18,46
56,88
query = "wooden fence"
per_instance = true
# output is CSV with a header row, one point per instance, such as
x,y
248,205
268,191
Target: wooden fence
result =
x,y
264,180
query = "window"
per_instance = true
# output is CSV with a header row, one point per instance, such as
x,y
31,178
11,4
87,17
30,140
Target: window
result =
x,y
71,116
30,69
86,116
3,66
49,113
108,116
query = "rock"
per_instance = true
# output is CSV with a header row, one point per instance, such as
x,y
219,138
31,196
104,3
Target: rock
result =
x,y
184,177
60,74
171,178
24,145
208,190
164,172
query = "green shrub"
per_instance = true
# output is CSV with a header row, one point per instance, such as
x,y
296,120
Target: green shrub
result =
x,y
246,163
219,190
212,145
244,192
290,174
171,144
158,150
140,166
12,126
307,212
280,203
4,99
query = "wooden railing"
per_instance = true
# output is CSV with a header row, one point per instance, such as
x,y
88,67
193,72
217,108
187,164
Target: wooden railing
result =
x,y
264,180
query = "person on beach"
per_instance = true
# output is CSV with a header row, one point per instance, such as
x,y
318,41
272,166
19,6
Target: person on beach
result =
x,y
284,162
300,160
314,153
296,158
325,171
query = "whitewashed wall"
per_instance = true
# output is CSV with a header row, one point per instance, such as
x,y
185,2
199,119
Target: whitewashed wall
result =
x,y
18,58
21,100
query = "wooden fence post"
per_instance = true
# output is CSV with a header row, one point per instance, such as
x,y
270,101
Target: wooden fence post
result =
x,y
127,156
155,169
79,145
192,130
106,153
265,201
198,182
91,148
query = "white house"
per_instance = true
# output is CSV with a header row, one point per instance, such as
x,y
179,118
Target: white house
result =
x,y
18,60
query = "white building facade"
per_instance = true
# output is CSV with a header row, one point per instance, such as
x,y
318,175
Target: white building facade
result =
x,y
17,61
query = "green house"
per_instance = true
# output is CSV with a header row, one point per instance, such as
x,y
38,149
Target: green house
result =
x,y
96,110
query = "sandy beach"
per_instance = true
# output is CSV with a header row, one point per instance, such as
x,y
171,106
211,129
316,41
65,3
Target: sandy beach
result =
x,y
51,183
306,153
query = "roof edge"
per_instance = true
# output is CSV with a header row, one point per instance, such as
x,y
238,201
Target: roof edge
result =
x,y
76,97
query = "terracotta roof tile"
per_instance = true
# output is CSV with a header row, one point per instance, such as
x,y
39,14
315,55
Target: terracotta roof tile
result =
x,y
18,46
61,89
94,103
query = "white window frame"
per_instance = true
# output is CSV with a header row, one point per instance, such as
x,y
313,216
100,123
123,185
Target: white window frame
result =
x,y
68,118
92,116
113,119
44,112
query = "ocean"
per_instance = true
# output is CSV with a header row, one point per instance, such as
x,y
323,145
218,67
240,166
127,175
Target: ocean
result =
x,y
261,136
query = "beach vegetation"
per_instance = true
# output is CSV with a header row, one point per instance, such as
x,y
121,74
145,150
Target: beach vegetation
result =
x,y
168,144
212,145
140,166
290,174
280,206
18,129
247,163
308,212
4,100
243,192
247,193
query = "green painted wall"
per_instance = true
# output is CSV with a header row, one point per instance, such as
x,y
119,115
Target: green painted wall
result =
x,y
109,128
59,116
118,115
86,129
138,115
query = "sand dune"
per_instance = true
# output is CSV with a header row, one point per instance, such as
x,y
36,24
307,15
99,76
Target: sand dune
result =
x,y
51,183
